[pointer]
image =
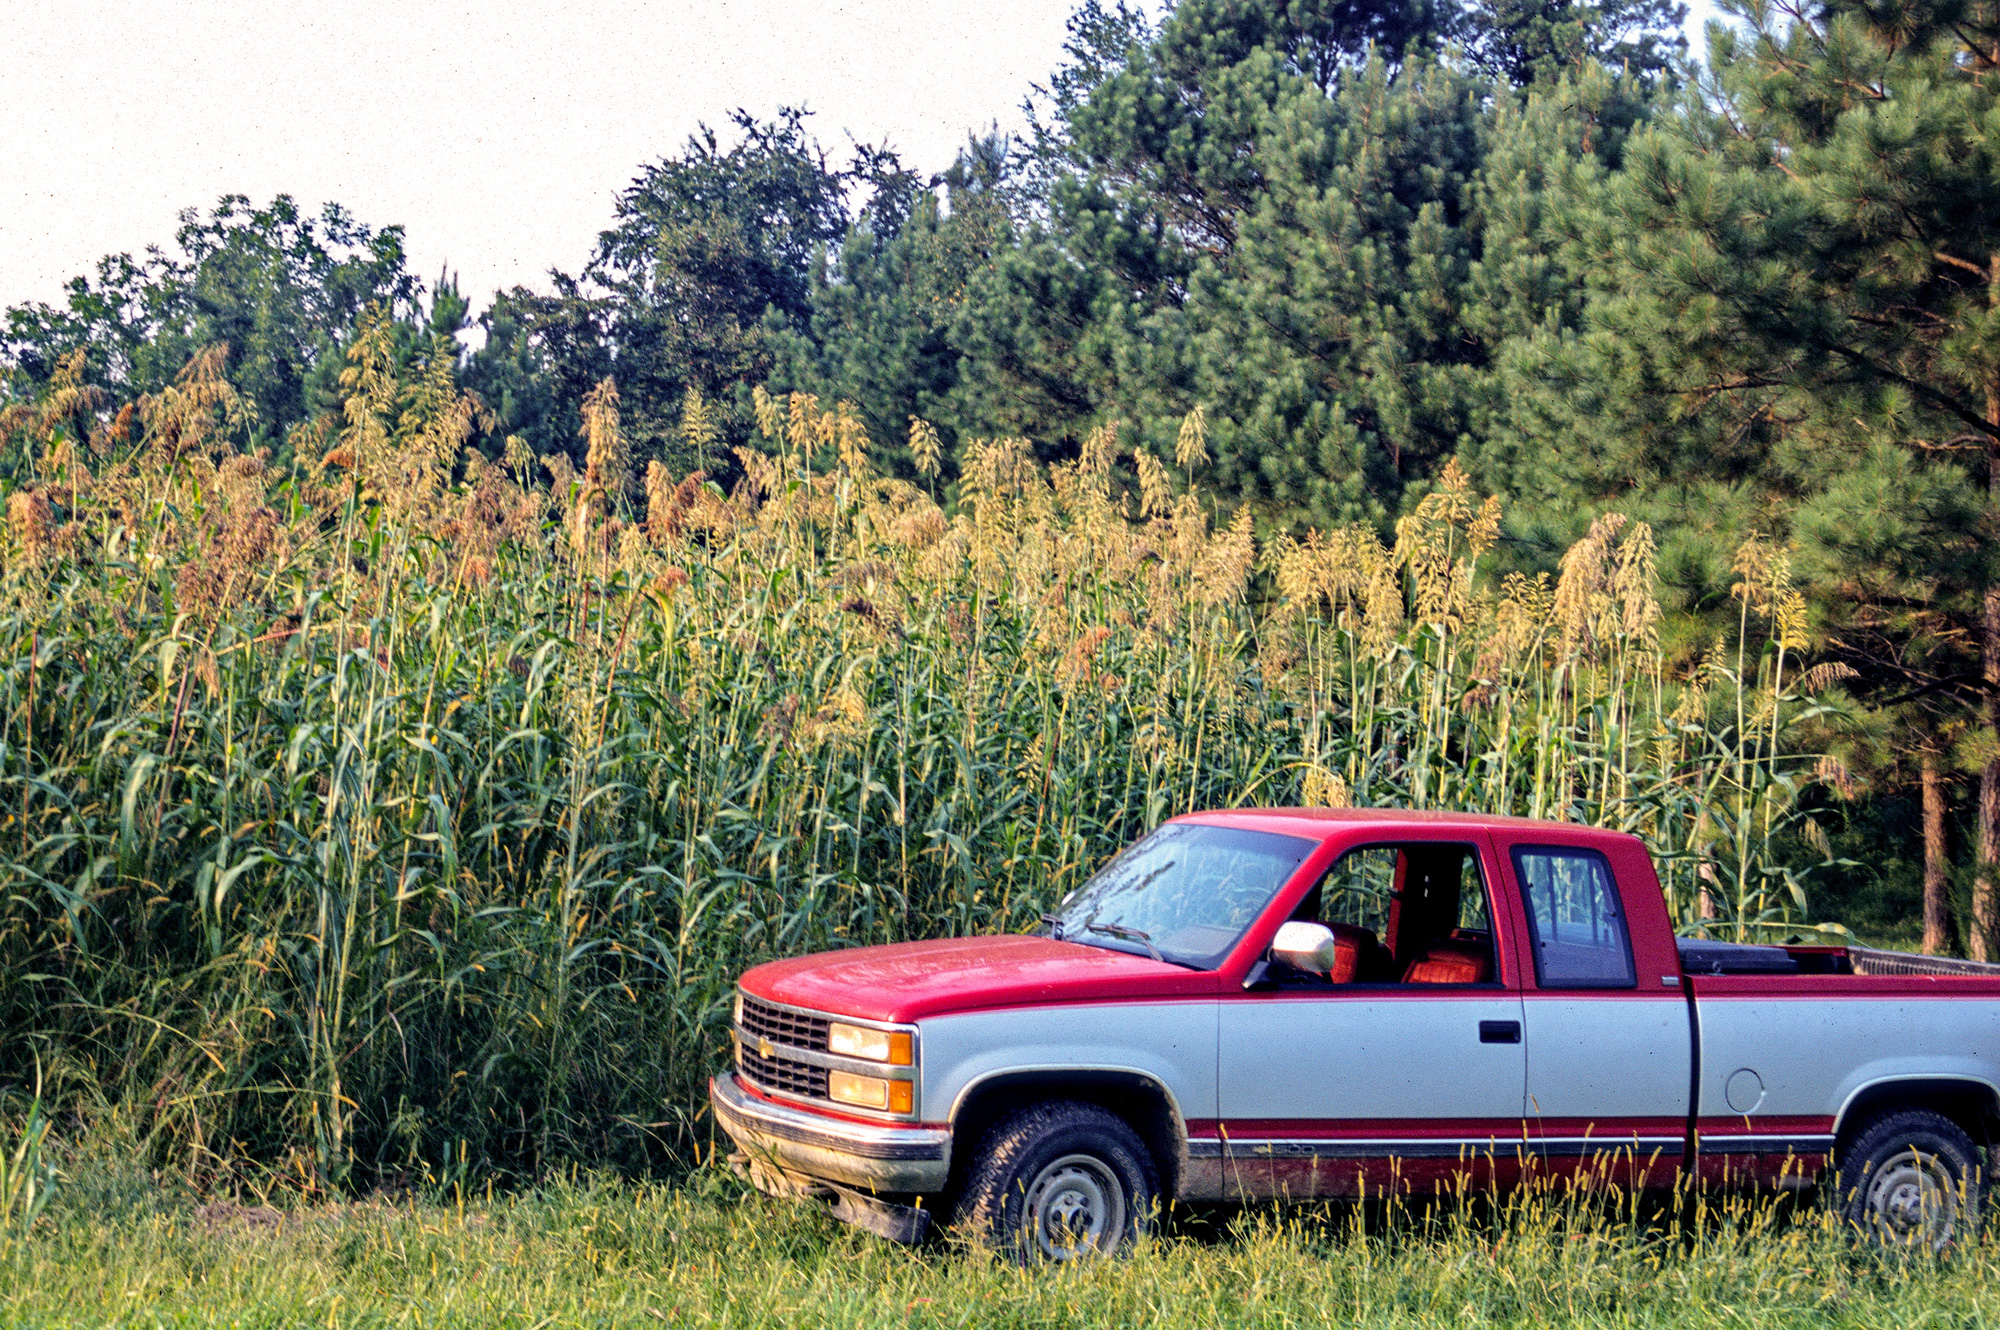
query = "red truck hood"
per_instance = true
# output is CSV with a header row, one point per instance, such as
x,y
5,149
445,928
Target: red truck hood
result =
x,y
911,980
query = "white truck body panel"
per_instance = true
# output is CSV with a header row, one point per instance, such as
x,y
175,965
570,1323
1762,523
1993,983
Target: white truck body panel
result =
x,y
1607,1058
1321,1060
1813,1053
1170,1043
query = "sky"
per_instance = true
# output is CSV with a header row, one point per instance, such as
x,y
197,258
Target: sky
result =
x,y
498,134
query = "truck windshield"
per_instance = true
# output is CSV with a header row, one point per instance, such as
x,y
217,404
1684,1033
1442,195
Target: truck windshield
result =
x,y
1184,894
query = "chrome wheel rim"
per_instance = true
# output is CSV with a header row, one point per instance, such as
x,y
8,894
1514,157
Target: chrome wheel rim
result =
x,y
1074,1207
1912,1200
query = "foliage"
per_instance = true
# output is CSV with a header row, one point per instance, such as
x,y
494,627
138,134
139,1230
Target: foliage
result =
x,y
393,812
279,289
1536,41
711,251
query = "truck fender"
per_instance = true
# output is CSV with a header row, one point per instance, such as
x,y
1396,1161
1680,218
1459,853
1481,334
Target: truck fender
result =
x,y
1971,1101
1136,1095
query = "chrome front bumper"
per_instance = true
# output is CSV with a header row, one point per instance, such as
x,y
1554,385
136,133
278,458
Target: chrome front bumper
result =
x,y
904,1160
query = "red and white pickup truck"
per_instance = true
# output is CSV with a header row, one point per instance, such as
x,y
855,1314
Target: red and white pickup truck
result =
x,y
1314,1003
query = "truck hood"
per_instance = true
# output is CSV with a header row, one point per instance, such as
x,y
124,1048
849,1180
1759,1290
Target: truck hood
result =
x,y
912,980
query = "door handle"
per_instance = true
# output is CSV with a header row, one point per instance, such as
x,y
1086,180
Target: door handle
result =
x,y
1499,1032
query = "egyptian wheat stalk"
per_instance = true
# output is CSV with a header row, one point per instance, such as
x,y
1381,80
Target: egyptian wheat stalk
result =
x,y
399,806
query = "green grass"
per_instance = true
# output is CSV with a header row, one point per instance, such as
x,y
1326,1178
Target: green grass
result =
x,y
605,1255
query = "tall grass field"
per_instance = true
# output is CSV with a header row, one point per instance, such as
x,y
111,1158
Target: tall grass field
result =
x,y
403,815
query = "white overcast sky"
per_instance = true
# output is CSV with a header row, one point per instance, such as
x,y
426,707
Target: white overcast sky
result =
x,y
498,134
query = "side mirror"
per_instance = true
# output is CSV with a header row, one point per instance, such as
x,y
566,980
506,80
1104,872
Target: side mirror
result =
x,y
1305,946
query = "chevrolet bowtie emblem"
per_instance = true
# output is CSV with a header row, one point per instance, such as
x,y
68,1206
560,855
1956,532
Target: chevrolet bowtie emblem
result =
x,y
764,1048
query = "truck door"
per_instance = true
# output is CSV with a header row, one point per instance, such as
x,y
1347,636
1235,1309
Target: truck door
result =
x,y
1607,1034
1402,1069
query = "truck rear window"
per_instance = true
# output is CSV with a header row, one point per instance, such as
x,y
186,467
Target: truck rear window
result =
x,y
1186,892
1579,931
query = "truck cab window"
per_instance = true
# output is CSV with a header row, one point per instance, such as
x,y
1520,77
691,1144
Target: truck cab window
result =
x,y
1414,914
1184,894
1574,920
1356,891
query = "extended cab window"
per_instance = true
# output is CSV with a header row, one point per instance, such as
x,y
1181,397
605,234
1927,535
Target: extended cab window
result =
x,y
1414,913
1185,893
1577,929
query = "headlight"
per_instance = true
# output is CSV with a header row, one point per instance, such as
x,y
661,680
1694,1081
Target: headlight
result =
x,y
856,1041
845,1087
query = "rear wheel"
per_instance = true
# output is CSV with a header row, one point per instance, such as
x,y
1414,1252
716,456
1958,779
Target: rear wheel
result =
x,y
1912,1179
1060,1180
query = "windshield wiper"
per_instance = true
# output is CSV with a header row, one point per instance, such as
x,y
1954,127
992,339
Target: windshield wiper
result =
x,y
1124,934
1055,923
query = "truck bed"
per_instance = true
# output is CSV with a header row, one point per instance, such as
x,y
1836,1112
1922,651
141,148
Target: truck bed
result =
x,y
1706,957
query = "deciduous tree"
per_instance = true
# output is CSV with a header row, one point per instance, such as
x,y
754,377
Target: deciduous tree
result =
x,y
281,289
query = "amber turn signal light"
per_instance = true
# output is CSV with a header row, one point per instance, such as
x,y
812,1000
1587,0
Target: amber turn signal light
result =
x,y
845,1087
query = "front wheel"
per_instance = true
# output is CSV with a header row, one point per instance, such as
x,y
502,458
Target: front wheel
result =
x,y
1912,1179
1060,1180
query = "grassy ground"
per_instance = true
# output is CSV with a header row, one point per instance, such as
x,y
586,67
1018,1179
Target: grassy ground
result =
x,y
643,1256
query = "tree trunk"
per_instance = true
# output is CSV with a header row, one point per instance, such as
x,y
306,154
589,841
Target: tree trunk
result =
x,y
1986,886
1937,895
1985,939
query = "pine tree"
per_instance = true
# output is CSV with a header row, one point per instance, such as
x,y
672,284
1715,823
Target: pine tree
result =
x,y
1259,212
1284,214
1528,42
882,332
1796,326
713,251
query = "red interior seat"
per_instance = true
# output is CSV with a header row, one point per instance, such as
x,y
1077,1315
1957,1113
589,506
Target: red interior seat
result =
x,y
1350,944
1451,961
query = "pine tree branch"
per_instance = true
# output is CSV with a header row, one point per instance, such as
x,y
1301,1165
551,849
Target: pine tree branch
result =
x,y
1984,56
1966,264
1708,392
1966,690
1924,390
1960,684
1957,443
1899,325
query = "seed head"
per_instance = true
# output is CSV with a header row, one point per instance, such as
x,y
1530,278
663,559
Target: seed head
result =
x,y
1191,448
31,520
606,457
1324,789
1155,495
925,447
767,413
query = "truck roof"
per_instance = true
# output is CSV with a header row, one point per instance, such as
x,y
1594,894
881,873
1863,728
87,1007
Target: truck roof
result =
x,y
1320,823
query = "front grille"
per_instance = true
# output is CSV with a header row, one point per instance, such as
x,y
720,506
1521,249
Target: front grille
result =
x,y
781,1073
763,1021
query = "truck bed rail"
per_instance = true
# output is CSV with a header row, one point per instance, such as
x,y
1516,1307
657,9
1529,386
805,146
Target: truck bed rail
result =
x,y
1867,960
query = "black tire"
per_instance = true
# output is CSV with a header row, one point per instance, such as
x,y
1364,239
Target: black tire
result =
x,y
1060,1180
1912,1179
